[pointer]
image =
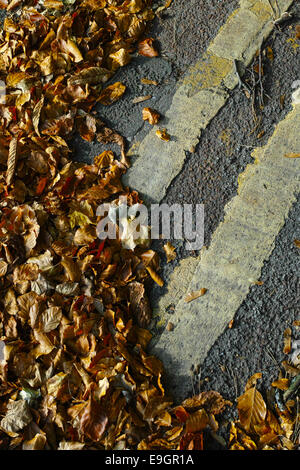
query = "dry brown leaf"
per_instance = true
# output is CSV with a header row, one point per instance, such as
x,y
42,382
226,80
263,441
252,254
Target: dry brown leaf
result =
x,y
239,440
112,93
90,76
139,99
146,48
197,421
163,7
121,57
155,276
55,4
282,384
270,54
163,135
211,401
36,443
170,252
287,341
17,416
3,268
72,270
93,420
252,381
139,303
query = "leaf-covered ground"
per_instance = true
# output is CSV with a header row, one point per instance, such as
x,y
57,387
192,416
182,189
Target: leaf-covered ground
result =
x,y
74,310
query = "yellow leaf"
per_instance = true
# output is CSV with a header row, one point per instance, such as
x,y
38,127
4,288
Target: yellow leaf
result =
x,y
163,135
36,115
36,443
155,276
197,421
111,93
3,267
71,268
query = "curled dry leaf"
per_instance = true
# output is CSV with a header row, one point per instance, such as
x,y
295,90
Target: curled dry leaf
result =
x,y
36,443
197,421
65,445
93,420
36,115
163,7
147,81
140,99
155,276
211,401
151,116
17,416
139,303
287,341
12,160
147,49
282,384
3,268
112,93
170,252
163,135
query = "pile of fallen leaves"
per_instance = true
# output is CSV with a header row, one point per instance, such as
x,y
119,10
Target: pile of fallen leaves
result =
x,y
74,371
